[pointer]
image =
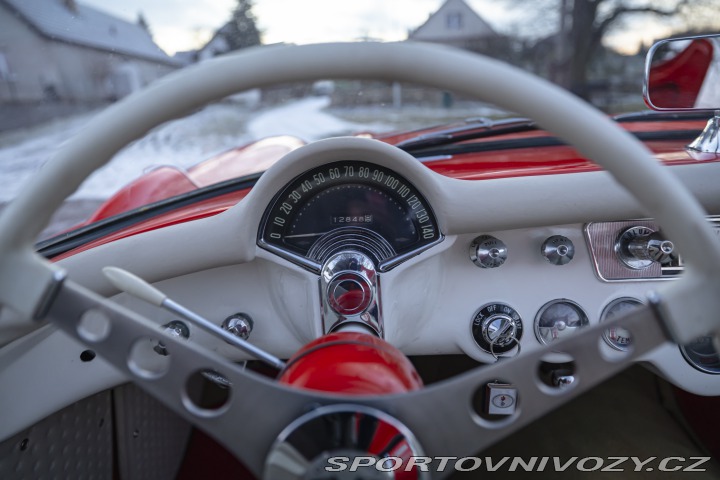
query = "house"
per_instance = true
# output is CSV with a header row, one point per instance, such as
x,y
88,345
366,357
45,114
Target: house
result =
x,y
456,23
217,45
63,51
220,44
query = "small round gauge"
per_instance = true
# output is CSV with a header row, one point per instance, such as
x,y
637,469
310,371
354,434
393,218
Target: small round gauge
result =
x,y
702,355
558,319
618,337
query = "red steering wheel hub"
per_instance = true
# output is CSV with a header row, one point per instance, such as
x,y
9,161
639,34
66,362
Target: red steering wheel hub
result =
x,y
352,363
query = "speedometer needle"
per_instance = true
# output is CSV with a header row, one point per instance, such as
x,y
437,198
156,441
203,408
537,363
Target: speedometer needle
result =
x,y
302,235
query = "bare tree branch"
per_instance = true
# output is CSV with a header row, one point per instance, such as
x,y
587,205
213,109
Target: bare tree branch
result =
x,y
601,28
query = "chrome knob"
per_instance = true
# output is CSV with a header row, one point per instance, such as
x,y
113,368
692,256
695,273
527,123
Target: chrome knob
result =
x,y
651,247
487,251
175,329
639,247
239,324
563,381
558,250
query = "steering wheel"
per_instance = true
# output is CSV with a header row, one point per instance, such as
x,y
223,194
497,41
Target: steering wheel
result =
x,y
439,416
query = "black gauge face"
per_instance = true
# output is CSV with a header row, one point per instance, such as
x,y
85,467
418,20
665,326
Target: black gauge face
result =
x,y
354,203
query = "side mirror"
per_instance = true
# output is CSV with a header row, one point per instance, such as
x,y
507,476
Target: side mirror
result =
x,y
683,74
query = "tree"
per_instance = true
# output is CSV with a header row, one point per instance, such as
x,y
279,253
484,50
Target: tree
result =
x,y
241,30
588,21
592,19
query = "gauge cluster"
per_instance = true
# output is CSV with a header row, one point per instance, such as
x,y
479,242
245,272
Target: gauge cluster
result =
x,y
497,327
526,289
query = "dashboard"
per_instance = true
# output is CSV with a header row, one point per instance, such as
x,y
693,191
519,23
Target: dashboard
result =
x,y
428,294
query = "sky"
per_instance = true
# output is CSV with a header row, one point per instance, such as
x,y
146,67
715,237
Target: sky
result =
x,y
179,25
187,24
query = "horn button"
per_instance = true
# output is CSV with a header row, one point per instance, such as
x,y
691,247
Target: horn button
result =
x,y
349,292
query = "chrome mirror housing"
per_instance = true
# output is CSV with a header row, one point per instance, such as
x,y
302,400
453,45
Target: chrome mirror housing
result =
x,y
683,74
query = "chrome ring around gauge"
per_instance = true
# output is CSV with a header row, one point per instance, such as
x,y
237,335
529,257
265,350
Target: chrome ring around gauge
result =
x,y
559,319
618,337
702,355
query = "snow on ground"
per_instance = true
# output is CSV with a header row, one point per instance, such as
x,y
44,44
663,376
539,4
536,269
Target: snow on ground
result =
x,y
182,142
23,153
305,119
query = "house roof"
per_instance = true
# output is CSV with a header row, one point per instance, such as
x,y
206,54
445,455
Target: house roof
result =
x,y
455,19
218,40
71,22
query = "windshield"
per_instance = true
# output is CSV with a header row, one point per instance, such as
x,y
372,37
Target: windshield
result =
x,y
62,61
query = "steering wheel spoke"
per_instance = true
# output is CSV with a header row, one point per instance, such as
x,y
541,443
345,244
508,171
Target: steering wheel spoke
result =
x,y
214,394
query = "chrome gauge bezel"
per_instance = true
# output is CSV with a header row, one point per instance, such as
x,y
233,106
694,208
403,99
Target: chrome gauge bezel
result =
x,y
544,308
603,317
697,365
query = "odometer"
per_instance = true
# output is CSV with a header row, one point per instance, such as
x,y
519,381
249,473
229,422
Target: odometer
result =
x,y
366,206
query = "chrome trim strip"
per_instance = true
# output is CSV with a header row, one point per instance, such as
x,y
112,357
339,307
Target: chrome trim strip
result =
x,y
391,263
315,267
299,260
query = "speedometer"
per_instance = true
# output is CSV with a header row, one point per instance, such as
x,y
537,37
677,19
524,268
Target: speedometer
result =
x,y
348,205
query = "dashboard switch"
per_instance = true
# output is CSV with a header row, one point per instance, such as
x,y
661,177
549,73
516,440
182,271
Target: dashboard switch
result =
x,y
558,250
497,328
487,251
501,399
639,247
239,324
